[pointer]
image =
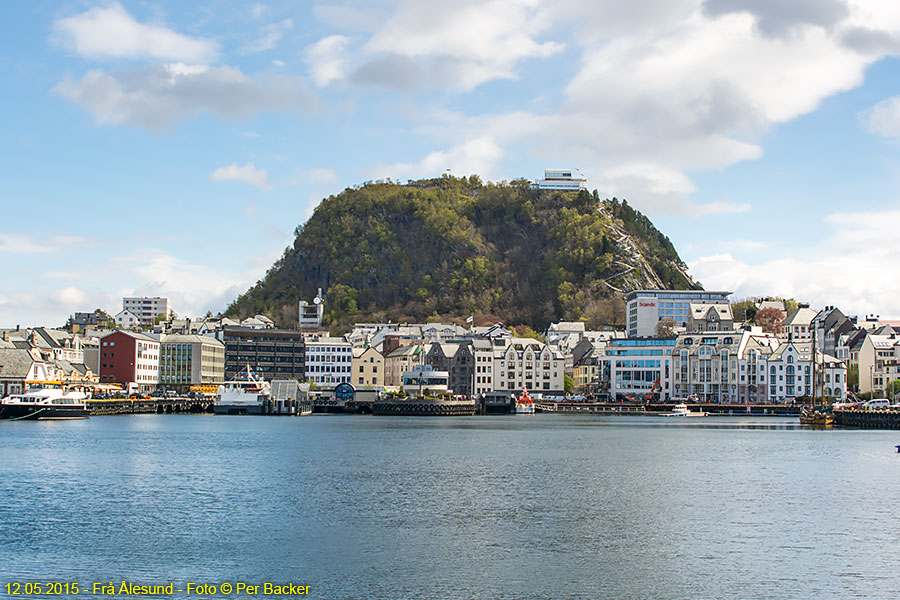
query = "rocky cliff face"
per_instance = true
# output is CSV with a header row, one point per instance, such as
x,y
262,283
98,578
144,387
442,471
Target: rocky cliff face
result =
x,y
454,247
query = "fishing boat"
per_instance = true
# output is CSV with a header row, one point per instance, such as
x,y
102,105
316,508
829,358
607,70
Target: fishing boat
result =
x,y
811,416
814,415
524,404
45,403
246,394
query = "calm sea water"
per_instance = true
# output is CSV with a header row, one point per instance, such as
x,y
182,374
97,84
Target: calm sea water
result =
x,y
506,507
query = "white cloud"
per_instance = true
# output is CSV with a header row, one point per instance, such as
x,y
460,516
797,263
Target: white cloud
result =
x,y
157,96
110,32
457,45
326,59
271,35
883,118
247,173
15,243
849,266
663,91
478,155
317,176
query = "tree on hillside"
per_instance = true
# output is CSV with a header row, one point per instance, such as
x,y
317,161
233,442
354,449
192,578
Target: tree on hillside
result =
x,y
744,309
770,319
665,328
524,331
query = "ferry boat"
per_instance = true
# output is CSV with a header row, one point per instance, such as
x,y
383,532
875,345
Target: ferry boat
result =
x,y
244,395
45,403
524,404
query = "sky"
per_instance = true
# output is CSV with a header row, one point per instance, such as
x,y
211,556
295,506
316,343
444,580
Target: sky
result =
x,y
171,148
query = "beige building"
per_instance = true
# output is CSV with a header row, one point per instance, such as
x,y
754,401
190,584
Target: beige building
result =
x,y
879,362
368,368
401,360
186,360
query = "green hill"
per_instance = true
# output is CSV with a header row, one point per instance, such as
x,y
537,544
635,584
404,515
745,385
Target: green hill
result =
x,y
454,247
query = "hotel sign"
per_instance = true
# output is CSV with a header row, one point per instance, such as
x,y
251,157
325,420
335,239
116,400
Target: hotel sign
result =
x,y
646,303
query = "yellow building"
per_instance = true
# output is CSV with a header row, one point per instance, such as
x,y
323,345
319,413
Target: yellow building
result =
x,y
368,368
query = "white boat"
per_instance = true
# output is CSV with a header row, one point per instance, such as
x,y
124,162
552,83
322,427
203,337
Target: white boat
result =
x,y
524,404
680,410
244,395
45,403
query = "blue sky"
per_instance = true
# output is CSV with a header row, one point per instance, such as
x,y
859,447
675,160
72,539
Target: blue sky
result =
x,y
169,148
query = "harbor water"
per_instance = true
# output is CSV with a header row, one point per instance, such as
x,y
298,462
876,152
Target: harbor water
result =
x,y
505,507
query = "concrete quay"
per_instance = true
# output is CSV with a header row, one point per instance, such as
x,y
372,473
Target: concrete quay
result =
x,y
158,406
867,419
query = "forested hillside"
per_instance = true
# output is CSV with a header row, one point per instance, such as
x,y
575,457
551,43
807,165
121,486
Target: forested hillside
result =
x,y
453,247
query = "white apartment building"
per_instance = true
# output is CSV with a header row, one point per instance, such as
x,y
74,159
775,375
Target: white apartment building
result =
x,y
146,309
790,369
645,308
527,363
483,356
721,366
329,361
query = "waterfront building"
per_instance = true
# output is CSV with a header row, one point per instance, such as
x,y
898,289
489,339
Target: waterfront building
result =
x,y
146,309
562,180
329,361
790,368
270,353
726,367
425,380
879,361
586,366
368,368
127,358
483,373
645,308
20,368
521,363
637,367
457,361
190,360
401,359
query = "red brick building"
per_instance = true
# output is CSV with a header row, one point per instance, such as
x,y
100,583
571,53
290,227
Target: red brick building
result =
x,y
127,357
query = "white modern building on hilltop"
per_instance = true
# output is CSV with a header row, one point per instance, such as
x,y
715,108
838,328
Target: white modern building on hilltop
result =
x,y
562,179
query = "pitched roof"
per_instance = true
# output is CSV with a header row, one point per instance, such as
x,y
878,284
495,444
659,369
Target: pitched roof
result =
x,y
15,364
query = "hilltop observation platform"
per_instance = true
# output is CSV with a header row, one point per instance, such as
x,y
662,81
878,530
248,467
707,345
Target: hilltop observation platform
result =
x,y
562,180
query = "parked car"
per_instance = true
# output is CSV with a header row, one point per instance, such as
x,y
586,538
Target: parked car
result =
x,y
878,404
